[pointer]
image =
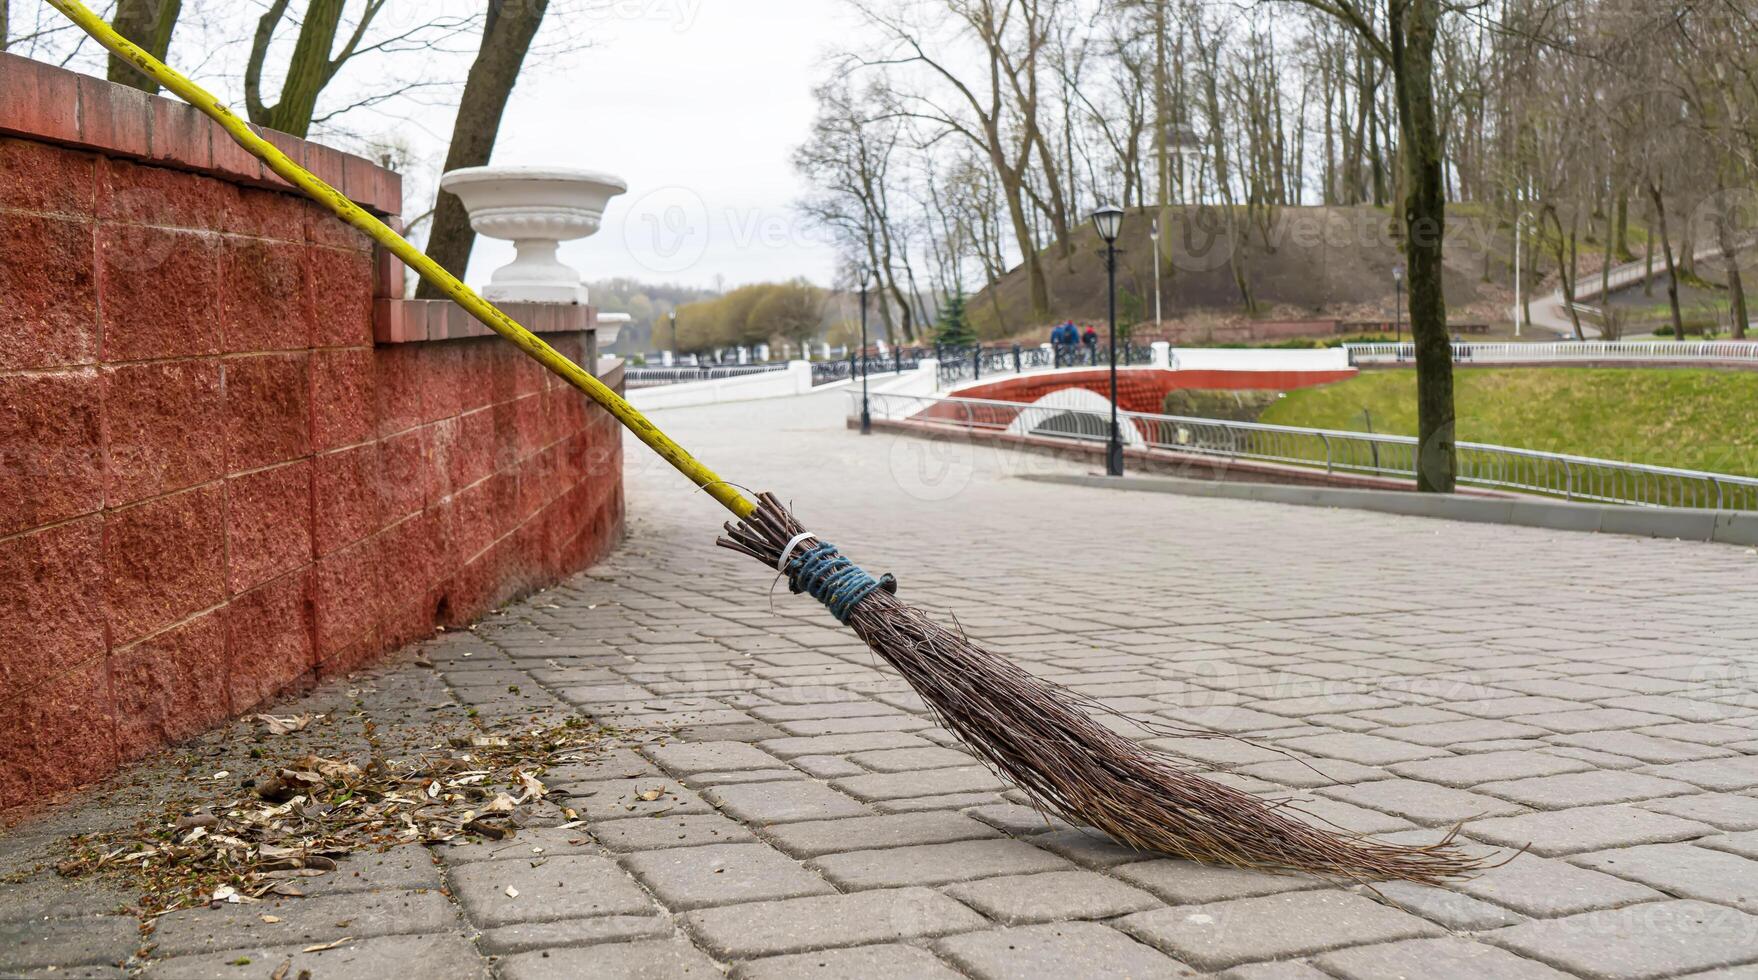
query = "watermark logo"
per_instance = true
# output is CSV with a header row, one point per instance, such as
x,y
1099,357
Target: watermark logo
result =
x,y
935,468
667,230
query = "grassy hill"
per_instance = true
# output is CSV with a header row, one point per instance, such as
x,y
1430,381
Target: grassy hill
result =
x,y
1689,418
1308,262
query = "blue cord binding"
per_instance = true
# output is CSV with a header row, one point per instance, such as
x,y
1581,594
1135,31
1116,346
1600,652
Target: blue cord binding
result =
x,y
824,574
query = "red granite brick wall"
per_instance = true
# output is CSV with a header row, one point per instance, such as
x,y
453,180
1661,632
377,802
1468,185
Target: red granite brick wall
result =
x,y
214,487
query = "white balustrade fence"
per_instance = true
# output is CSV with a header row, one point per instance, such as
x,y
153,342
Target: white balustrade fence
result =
x,y
1576,351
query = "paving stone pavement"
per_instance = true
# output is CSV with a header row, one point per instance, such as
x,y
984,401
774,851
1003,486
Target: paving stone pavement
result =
x,y
1593,697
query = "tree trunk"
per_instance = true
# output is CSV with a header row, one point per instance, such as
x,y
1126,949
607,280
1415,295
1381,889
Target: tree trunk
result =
x,y
1648,263
148,23
506,37
5,26
1736,287
1566,254
1623,233
1666,245
1411,39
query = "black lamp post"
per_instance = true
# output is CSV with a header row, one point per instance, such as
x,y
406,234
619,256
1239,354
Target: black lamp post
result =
x,y
1108,221
866,416
1398,303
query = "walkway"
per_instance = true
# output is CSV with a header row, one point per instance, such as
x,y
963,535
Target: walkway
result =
x,y
809,820
1551,312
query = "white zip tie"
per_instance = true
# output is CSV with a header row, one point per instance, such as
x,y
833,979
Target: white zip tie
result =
x,y
787,552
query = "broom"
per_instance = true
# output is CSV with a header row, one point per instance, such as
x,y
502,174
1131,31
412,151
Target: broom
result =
x,y
1041,738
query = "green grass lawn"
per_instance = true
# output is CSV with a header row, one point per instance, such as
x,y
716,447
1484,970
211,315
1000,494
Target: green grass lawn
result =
x,y
1694,419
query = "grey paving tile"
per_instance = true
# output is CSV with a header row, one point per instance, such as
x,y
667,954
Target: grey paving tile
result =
x,y
761,804
1584,789
1656,939
1723,775
1483,767
906,760
929,864
651,960
892,961
530,843
654,833
521,937
1055,895
722,874
498,893
442,957
1724,811
619,798
927,782
1075,950
689,758
1460,913
1424,803
1367,750
1433,959
1189,883
1683,870
1586,828
1546,888
1217,936
31,943
305,921
815,837
801,924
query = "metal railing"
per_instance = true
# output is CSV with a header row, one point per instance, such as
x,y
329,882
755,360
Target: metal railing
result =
x,y
650,377
1579,478
1563,352
896,361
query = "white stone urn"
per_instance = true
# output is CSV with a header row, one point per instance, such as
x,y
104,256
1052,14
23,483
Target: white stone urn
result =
x,y
535,208
610,327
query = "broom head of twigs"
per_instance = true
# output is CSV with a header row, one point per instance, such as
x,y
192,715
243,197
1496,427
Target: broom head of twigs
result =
x,y
1048,742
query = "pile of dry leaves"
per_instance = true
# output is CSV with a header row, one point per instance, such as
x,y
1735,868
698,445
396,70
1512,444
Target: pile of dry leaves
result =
x,y
299,815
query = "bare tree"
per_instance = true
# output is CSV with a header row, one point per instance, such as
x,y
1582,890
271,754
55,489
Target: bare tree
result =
x,y
507,31
1403,34
999,113
316,59
148,23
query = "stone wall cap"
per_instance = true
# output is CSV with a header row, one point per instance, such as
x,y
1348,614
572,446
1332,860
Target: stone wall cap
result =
x,y
49,104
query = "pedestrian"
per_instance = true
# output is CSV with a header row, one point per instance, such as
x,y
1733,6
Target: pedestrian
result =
x,y
1091,339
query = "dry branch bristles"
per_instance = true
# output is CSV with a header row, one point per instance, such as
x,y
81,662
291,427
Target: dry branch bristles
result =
x,y
1047,742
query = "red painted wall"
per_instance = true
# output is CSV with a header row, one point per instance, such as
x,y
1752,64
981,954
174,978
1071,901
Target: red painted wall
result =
x,y
214,487
1145,389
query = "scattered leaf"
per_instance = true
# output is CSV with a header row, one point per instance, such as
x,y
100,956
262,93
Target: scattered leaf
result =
x,y
286,726
320,947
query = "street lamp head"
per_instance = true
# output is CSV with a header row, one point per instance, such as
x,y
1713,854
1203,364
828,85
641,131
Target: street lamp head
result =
x,y
1154,230
861,275
1397,273
1108,220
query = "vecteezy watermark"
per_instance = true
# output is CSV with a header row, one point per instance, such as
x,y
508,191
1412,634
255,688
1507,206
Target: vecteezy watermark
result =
x,y
670,229
667,230
936,466
679,14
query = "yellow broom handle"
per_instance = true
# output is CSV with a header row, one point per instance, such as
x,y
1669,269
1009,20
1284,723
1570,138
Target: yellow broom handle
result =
x,y
427,268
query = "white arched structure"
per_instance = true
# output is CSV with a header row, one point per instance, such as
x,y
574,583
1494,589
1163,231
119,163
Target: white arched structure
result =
x,y
1072,413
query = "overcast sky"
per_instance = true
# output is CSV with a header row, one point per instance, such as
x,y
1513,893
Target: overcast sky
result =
x,y
696,104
